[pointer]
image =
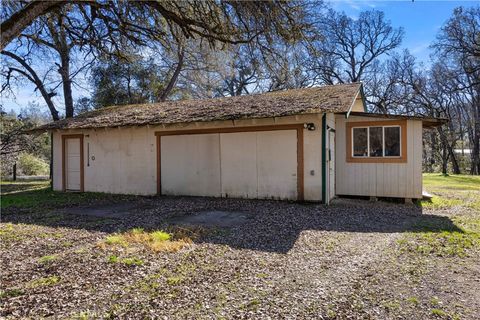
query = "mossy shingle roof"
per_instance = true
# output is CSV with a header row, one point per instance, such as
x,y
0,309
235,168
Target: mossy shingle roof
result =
x,y
334,98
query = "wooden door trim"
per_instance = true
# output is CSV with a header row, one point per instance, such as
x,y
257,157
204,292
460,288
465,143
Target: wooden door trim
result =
x,y
64,173
300,153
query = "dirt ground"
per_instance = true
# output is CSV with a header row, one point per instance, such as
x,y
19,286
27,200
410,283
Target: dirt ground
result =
x,y
352,260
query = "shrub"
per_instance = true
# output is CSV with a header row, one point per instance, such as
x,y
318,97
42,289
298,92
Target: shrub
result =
x,y
31,165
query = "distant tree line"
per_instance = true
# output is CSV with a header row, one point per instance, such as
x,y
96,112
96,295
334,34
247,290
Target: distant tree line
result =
x,y
128,52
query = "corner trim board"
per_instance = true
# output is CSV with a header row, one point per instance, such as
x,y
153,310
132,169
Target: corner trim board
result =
x,y
324,159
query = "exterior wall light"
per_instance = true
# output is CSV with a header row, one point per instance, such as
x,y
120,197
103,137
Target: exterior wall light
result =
x,y
309,126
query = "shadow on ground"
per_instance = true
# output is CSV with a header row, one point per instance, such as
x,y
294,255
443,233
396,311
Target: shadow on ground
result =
x,y
271,226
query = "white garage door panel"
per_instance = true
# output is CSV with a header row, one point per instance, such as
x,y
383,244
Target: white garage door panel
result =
x,y
72,164
191,165
277,164
239,164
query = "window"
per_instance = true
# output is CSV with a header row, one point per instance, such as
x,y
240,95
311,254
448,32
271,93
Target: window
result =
x,y
376,141
360,142
379,141
392,141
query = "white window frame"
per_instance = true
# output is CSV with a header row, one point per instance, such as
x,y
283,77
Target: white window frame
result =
x,y
383,142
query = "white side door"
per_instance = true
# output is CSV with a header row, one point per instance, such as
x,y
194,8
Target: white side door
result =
x,y
73,164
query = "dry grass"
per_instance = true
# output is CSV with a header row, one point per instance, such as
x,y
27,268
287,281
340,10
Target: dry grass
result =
x,y
172,240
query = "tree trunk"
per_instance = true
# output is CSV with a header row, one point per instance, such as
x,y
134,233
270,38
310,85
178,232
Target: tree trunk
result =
x,y
453,157
173,79
445,152
475,144
66,82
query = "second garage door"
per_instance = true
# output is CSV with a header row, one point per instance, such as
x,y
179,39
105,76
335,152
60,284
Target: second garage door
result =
x,y
260,164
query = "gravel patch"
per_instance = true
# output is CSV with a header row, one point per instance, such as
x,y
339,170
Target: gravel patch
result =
x,y
286,260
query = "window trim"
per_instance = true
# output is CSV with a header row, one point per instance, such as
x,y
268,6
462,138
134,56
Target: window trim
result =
x,y
402,124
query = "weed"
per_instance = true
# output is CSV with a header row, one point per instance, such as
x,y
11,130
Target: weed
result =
x,y
435,301
392,305
160,236
172,281
252,304
47,259
132,261
116,240
439,313
113,259
413,300
11,293
156,240
43,282
127,261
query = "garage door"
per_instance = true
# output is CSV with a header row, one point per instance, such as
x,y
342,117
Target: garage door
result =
x,y
260,164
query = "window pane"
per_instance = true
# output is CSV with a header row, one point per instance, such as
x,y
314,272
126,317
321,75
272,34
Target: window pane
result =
x,y
392,141
376,142
360,142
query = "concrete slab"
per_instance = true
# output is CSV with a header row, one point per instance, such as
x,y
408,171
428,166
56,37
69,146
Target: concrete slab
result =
x,y
213,219
116,211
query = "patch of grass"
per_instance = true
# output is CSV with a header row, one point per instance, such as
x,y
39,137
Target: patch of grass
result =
x,y
391,305
132,261
443,237
438,202
47,259
253,304
112,259
158,241
9,233
43,282
9,187
11,293
439,313
452,191
172,281
44,198
442,244
160,236
435,301
452,182
413,300
116,239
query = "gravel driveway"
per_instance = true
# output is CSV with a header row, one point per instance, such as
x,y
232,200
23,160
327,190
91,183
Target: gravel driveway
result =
x,y
287,260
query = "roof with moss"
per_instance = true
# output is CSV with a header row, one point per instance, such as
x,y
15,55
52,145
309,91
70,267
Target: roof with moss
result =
x,y
334,98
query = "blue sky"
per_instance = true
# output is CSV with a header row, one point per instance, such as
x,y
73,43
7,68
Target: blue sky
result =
x,y
421,21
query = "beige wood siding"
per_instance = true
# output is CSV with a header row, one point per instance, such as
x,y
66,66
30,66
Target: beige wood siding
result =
x,y
191,165
125,158
403,180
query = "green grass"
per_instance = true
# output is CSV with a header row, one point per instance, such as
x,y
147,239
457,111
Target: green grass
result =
x,y
116,239
9,187
439,313
43,282
47,259
456,235
11,293
451,182
38,195
133,261
451,191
